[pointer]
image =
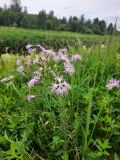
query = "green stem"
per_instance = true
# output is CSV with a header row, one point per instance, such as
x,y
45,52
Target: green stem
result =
x,y
87,125
95,125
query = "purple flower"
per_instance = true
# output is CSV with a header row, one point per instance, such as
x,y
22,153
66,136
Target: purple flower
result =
x,y
64,51
60,88
63,57
29,63
29,46
113,83
69,68
30,49
76,58
33,81
30,97
20,69
18,62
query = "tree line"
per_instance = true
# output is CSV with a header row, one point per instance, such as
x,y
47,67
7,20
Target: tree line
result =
x,y
17,16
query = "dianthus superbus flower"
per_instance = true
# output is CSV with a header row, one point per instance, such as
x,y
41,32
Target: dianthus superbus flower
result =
x,y
76,58
69,68
30,97
29,62
33,81
20,69
113,83
60,88
18,62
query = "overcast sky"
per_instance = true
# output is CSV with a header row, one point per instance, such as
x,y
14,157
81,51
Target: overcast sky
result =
x,y
105,9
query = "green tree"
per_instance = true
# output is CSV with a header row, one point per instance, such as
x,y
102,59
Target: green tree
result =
x,y
42,19
15,6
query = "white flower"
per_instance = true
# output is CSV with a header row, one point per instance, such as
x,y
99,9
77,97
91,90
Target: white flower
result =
x,y
6,79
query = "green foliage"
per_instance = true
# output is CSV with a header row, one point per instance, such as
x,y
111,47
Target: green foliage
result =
x,y
83,125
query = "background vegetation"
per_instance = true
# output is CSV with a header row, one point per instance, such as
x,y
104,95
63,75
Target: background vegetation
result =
x,y
15,15
14,39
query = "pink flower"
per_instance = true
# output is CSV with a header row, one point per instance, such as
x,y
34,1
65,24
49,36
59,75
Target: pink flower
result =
x,y
76,58
64,51
30,97
33,81
60,88
18,62
63,57
29,46
69,68
20,69
30,49
113,83
29,62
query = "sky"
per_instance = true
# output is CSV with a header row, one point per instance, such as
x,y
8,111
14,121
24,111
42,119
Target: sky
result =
x,y
108,10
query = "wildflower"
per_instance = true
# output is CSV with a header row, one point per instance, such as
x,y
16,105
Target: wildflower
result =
x,y
60,88
69,68
41,69
59,79
37,74
20,69
63,57
29,46
62,51
30,97
113,83
36,60
18,62
29,63
56,58
33,81
6,79
30,49
76,58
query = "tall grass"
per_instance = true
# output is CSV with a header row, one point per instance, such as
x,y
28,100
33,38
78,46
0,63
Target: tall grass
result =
x,y
14,39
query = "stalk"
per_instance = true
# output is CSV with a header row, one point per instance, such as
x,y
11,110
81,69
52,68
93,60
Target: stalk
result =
x,y
87,126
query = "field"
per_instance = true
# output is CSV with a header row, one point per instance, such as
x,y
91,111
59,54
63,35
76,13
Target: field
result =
x,y
62,105
16,39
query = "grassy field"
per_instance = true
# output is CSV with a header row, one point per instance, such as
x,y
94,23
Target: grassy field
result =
x,y
16,38
57,106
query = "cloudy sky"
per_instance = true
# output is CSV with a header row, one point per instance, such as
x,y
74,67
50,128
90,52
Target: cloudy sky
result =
x,y
104,9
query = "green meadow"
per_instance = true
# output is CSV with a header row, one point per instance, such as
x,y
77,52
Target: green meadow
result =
x,y
74,111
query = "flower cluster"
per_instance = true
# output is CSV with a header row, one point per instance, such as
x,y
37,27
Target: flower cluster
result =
x,y
113,83
40,62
